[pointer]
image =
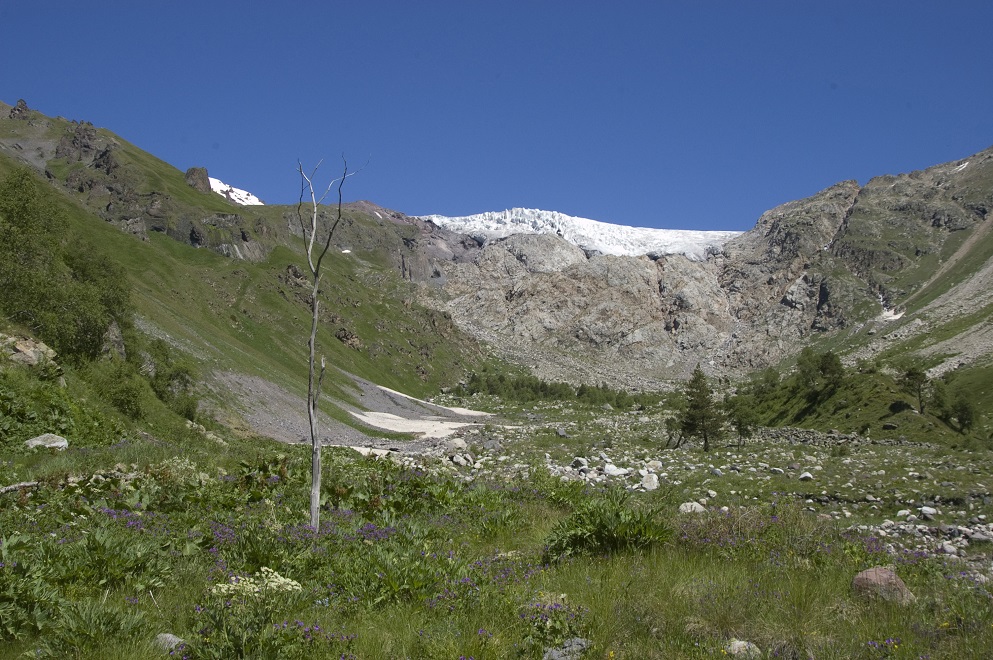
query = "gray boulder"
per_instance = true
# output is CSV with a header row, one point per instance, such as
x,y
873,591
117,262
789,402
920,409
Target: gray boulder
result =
x,y
571,649
48,440
196,178
742,649
612,470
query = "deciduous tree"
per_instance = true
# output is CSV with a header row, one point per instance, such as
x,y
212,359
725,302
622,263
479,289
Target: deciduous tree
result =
x,y
311,224
742,413
915,380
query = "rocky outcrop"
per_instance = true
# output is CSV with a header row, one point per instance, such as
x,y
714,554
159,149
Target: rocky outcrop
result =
x,y
20,110
79,144
824,265
196,178
26,351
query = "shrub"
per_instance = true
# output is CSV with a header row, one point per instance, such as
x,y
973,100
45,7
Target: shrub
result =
x,y
121,386
604,525
86,627
27,602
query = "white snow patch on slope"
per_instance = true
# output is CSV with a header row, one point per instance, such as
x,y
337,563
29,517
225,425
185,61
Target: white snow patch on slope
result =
x,y
427,428
587,234
236,195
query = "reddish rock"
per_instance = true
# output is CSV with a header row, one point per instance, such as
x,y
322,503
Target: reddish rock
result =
x,y
882,582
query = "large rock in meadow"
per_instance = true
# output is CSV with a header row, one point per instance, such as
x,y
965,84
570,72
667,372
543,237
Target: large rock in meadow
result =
x,y
882,582
48,440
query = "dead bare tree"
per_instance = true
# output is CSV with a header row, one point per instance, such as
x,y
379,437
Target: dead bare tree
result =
x,y
310,226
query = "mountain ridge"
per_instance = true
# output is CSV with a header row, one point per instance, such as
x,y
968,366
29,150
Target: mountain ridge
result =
x,y
844,268
863,269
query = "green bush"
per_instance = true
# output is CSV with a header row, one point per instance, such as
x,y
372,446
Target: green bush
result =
x,y
606,524
121,385
27,602
86,627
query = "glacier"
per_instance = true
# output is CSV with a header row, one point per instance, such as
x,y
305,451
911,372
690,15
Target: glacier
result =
x,y
236,195
591,235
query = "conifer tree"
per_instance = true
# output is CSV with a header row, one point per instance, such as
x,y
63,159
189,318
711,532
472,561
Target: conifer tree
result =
x,y
702,417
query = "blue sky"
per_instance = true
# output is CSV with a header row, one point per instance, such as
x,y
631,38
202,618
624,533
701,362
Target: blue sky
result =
x,y
692,114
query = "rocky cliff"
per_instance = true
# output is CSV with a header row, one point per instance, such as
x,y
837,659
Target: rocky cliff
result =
x,y
849,265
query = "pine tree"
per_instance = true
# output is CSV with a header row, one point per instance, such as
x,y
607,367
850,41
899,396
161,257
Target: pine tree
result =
x,y
701,417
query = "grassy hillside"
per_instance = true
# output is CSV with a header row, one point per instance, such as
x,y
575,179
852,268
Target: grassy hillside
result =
x,y
253,317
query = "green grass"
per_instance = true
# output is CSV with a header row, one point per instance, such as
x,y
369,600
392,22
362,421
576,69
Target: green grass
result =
x,y
416,562
250,318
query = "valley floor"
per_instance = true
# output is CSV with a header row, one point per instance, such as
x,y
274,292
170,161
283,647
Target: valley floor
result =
x,y
556,533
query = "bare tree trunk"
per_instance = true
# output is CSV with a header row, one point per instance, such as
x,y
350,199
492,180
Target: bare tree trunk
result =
x,y
315,379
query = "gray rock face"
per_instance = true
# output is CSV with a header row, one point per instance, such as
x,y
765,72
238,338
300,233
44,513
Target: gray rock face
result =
x,y
818,265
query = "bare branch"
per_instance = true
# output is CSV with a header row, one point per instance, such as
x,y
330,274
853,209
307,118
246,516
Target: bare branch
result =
x,y
11,488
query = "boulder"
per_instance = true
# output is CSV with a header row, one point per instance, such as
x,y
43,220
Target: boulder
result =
x,y
571,649
455,445
742,649
612,470
26,351
48,440
650,481
882,582
691,507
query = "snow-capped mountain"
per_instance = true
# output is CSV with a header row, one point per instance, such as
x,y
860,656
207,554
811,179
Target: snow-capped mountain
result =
x,y
236,195
587,234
